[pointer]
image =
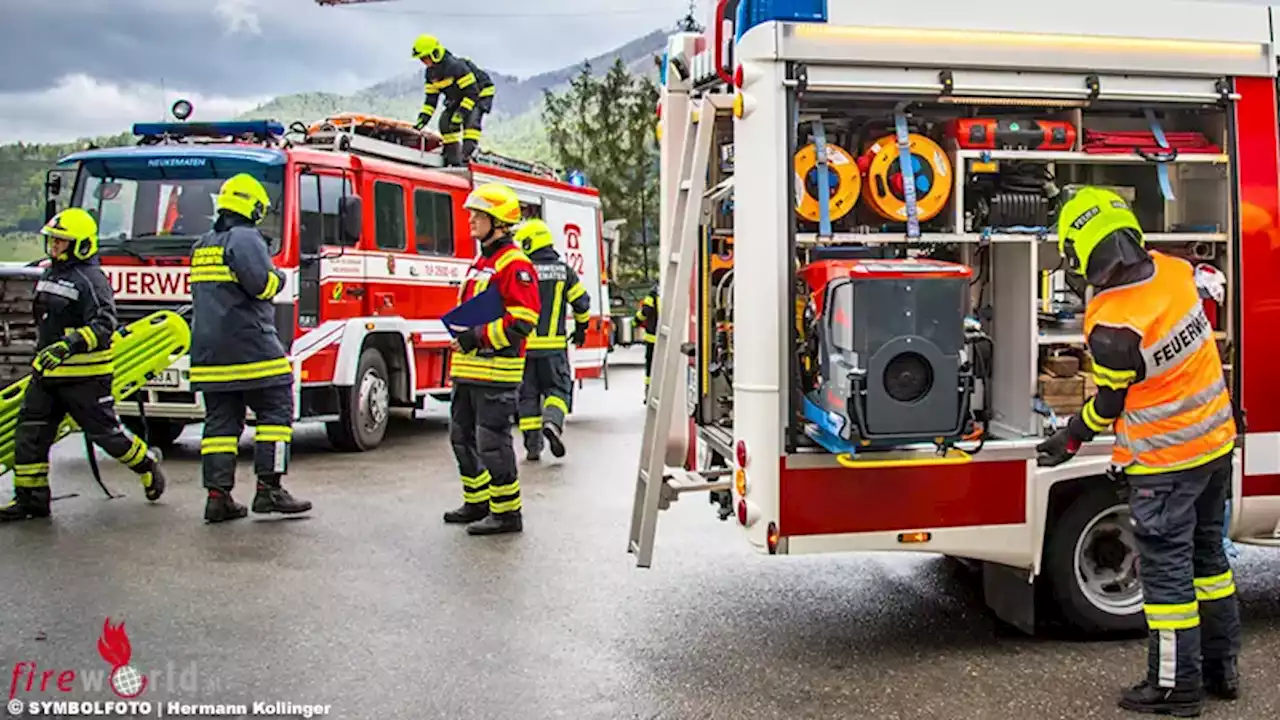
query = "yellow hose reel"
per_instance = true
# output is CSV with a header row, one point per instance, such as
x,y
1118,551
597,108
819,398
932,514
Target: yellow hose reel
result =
x,y
843,182
933,179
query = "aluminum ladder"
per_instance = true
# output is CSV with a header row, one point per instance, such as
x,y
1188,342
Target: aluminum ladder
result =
x,y
656,484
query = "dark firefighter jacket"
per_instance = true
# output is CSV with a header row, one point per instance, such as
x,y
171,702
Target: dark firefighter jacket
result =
x,y
558,285
74,302
493,354
484,83
647,316
234,341
454,78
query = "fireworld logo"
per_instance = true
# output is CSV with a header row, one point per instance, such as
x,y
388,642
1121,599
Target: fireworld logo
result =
x,y
125,680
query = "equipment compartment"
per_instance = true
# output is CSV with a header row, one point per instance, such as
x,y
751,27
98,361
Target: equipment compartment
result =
x,y
988,182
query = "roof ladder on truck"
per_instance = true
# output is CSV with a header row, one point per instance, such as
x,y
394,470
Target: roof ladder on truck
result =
x,y
656,484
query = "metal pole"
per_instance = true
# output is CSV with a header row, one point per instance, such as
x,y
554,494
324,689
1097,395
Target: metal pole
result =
x,y
644,228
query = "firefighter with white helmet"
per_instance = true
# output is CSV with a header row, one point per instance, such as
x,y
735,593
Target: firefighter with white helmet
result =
x,y
487,367
1161,385
237,359
76,321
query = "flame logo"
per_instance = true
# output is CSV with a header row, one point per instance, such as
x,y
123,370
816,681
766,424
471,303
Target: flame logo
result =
x,y
115,649
114,645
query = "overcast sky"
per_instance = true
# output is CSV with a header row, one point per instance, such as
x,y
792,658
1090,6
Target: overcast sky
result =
x,y
75,68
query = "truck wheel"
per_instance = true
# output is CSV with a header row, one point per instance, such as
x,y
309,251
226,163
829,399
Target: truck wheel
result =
x,y
1091,563
364,408
158,433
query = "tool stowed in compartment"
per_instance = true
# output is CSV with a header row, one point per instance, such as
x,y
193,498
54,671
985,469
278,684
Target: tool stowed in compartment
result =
x,y
1012,134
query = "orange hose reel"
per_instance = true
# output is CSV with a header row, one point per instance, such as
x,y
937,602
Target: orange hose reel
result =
x,y
844,182
933,178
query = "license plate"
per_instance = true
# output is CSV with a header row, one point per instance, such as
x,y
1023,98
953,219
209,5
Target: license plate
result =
x,y
169,378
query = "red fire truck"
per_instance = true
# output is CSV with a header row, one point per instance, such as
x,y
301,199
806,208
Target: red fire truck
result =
x,y
372,237
907,334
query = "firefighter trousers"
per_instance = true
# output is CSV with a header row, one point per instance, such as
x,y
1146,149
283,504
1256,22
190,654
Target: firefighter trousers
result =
x,y
1188,589
544,396
648,365
480,432
460,129
224,421
90,404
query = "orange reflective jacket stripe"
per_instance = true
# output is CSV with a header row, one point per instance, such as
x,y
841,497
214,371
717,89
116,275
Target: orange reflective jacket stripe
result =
x,y
1179,414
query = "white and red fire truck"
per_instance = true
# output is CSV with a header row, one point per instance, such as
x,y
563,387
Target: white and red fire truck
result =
x,y
905,335
369,230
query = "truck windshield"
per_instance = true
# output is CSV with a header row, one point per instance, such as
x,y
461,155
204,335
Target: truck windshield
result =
x,y
147,210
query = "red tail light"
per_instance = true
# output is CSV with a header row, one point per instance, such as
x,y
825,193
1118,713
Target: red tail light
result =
x,y
737,77
742,512
740,453
772,539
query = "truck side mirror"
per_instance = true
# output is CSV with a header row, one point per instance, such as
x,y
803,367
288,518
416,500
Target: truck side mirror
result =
x,y
351,218
52,189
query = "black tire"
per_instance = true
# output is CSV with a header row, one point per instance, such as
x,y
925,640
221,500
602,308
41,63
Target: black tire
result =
x,y
363,420
1099,512
159,433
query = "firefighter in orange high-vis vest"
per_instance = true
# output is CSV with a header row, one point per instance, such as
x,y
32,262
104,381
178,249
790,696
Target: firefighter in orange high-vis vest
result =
x,y
488,365
1161,386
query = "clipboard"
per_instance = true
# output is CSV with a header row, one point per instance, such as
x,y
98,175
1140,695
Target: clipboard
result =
x,y
479,310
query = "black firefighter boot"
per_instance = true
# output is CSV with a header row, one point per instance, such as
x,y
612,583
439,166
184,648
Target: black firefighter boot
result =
x,y
221,507
497,524
153,481
1151,700
28,503
271,498
1222,679
533,446
467,513
552,434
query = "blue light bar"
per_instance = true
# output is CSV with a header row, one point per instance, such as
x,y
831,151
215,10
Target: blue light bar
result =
x,y
257,128
576,178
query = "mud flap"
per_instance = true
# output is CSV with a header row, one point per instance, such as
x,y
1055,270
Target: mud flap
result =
x,y
143,349
1010,595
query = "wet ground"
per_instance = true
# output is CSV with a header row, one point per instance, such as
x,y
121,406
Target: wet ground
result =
x,y
373,606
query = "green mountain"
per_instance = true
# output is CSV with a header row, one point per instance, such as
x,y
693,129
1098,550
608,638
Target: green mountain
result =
x,y
514,128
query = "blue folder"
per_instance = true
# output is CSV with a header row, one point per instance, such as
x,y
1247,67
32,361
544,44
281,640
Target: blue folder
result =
x,y
479,310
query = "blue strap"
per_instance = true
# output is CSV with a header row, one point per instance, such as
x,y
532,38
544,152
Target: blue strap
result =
x,y
824,180
907,165
1166,187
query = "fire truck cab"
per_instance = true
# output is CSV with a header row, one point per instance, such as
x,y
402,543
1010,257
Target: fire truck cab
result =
x,y
906,333
370,233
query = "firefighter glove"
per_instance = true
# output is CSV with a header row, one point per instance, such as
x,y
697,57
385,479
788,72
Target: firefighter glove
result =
x,y
468,340
52,356
1057,449
423,119
579,335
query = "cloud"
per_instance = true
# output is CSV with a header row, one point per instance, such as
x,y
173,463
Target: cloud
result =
x,y
265,48
82,106
238,15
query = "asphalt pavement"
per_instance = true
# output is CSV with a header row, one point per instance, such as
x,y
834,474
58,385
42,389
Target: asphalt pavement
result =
x,y
372,606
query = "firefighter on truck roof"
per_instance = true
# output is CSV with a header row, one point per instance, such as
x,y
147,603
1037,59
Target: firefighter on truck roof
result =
x,y
548,377
487,367
1161,385
237,359
76,321
468,95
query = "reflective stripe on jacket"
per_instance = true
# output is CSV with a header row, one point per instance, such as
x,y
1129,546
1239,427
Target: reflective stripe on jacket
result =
x,y
558,285
74,302
498,358
234,341
453,78
1177,411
